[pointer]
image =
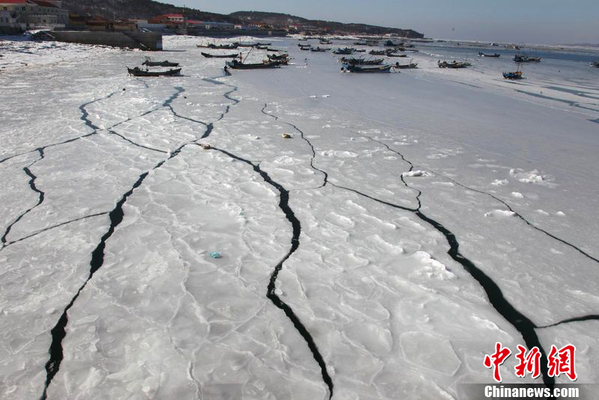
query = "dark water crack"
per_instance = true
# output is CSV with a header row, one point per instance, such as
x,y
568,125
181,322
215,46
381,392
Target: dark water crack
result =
x,y
519,321
97,261
295,242
53,227
590,317
85,118
135,144
572,246
33,187
303,136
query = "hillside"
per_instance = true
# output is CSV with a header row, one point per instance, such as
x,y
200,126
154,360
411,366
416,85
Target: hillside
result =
x,y
278,19
114,9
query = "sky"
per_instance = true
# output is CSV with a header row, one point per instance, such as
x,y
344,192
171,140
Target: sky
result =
x,y
523,21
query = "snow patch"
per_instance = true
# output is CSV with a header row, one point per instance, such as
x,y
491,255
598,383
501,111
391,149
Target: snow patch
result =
x,y
500,213
339,154
499,182
417,173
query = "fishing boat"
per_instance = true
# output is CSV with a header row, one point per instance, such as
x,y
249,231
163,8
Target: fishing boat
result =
x,y
278,57
411,65
318,49
140,72
512,75
377,52
263,65
224,46
361,61
389,54
166,63
595,64
345,50
524,58
373,69
454,64
495,55
232,55
389,43
360,43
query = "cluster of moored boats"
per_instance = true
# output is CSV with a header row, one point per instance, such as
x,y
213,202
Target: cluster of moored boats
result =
x,y
370,65
278,58
238,61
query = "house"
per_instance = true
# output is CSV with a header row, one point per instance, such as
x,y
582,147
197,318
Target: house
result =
x,y
30,14
167,19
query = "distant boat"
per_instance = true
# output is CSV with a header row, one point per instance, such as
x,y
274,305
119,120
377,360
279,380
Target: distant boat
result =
x,y
254,44
516,75
166,63
512,75
406,66
264,65
495,55
377,52
232,55
224,46
345,50
389,54
524,58
360,43
318,50
357,69
361,61
454,64
282,59
595,64
140,72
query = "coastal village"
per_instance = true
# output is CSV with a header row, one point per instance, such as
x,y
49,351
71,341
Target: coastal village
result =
x,y
17,16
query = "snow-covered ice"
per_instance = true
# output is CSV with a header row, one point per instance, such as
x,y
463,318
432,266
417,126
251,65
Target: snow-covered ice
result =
x,y
351,253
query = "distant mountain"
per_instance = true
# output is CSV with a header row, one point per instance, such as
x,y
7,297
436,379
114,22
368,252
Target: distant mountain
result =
x,y
117,9
278,19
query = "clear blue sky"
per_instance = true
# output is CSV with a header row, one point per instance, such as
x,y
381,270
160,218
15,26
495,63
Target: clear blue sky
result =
x,y
532,21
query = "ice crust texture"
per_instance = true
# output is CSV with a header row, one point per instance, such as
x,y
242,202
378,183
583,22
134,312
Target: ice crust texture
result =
x,y
111,211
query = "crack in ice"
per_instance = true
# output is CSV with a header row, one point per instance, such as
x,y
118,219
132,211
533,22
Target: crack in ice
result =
x,y
295,242
326,176
32,186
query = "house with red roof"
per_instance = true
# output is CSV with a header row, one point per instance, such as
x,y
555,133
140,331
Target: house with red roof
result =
x,y
168,19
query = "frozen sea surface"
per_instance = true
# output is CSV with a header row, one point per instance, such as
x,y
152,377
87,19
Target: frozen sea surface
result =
x,y
411,221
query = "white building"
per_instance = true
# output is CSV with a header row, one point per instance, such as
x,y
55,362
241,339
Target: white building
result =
x,y
30,14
